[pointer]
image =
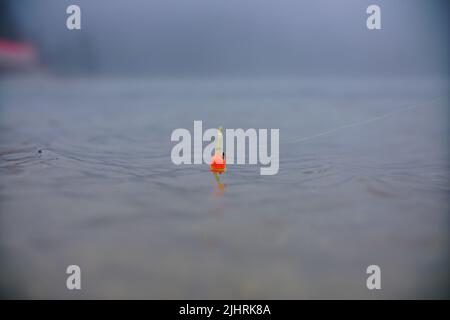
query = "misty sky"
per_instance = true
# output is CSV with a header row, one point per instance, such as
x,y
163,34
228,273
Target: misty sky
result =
x,y
294,37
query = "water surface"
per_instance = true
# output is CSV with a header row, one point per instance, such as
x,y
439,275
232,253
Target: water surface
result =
x,y
86,178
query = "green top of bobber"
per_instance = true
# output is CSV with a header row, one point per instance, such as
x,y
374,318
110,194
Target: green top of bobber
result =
x,y
219,140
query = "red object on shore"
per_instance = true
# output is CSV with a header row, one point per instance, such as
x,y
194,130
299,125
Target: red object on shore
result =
x,y
16,54
218,163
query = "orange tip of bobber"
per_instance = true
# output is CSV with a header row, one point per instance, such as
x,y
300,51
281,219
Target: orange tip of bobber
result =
x,y
218,163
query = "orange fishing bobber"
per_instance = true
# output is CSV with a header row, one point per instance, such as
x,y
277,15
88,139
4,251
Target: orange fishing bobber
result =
x,y
218,163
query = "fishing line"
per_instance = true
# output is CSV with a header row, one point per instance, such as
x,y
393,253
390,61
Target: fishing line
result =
x,y
360,123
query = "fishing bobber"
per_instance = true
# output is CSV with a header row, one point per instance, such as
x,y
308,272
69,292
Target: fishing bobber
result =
x,y
218,163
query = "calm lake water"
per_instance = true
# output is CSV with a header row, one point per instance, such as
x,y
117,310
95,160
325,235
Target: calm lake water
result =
x,y
86,178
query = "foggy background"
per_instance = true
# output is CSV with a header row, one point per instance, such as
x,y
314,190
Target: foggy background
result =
x,y
252,37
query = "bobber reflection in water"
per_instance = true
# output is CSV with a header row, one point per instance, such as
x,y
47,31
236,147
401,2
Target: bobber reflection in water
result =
x,y
218,164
